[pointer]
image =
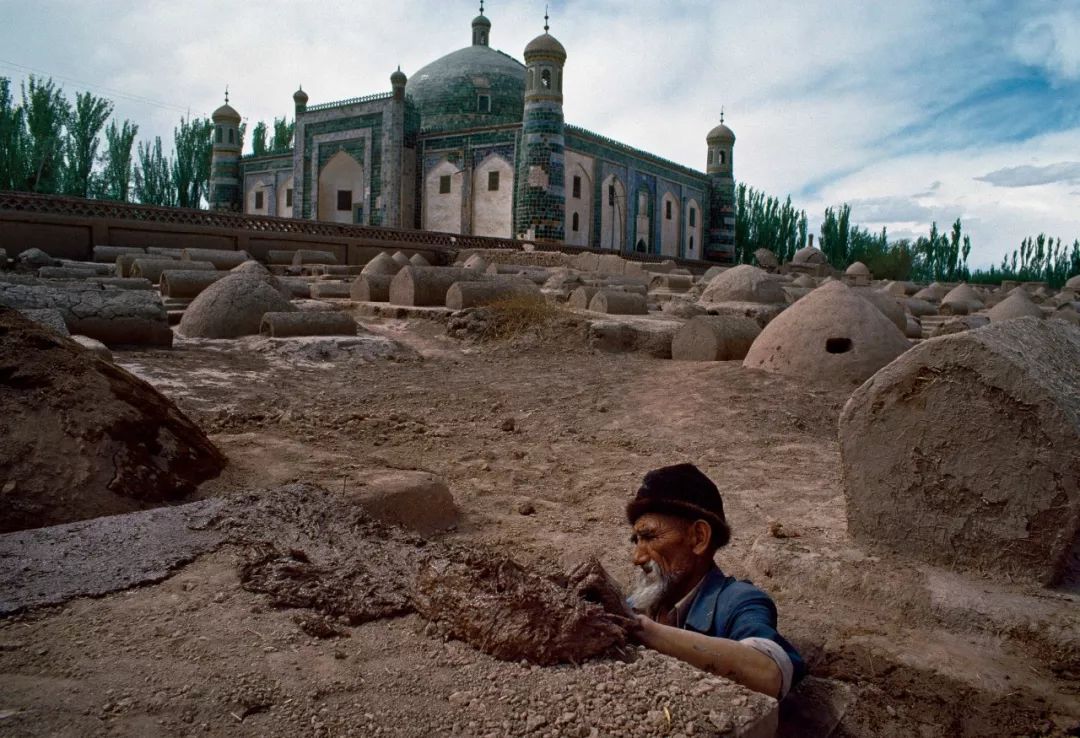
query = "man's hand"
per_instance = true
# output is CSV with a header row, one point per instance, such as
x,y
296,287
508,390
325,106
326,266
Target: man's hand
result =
x,y
591,582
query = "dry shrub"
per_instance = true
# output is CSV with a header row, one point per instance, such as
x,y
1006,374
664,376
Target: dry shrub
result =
x,y
505,319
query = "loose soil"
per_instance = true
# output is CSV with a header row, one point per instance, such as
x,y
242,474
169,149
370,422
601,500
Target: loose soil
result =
x,y
548,427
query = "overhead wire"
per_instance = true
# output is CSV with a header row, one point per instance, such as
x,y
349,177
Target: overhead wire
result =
x,y
112,91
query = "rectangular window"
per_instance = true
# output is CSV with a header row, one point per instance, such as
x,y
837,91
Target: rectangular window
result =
x,y
483,103
344,200
576,223
288,198
444,184
693,217
258,199
219,134
577,187
611,195
231,136
493,181
667,210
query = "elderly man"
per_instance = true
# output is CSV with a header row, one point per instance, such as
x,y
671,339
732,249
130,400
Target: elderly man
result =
x,y
685,606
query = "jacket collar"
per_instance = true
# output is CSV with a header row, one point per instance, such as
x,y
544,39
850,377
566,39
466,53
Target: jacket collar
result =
x,y
703,609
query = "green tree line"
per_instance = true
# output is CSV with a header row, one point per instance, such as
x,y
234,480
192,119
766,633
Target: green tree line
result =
x,y
54,145
763,221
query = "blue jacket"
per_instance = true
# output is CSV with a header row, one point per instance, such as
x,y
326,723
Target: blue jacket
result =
x,y
726,607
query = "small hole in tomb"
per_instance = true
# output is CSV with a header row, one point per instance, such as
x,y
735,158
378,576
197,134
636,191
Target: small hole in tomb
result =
x,y
838,345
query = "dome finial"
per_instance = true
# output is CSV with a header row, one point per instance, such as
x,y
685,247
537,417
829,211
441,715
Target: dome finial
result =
x,y
546,26
226,94
481,7
721,113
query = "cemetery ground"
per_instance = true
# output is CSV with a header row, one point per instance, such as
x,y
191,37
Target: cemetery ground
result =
x,y
541,443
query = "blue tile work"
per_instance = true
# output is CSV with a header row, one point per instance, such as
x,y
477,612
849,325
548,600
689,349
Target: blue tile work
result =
x,y
370,121
540,204
720,236
251,164
634,167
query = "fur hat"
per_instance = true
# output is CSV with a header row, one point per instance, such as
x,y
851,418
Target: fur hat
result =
x,y
684,491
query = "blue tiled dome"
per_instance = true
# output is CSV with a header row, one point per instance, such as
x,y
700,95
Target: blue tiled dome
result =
x,y
453,92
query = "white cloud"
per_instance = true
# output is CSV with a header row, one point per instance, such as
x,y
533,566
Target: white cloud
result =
x,y
1030,176
1052,41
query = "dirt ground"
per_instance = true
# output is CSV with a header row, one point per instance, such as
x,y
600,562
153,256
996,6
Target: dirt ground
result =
x,y
898,649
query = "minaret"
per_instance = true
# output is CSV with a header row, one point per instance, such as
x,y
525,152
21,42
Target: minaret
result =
x,y
721,171
300,99
541,176
225,191
481,29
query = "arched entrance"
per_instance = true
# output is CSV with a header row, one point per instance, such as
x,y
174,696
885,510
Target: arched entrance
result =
x,y
341,190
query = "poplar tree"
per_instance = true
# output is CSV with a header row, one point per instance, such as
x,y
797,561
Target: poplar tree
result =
x,y
116,176
193,141
154,184
84,125
13,172
46,113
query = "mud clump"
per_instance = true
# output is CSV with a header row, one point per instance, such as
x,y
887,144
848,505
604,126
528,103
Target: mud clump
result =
x,y
356,591
500,608
306,548
81,438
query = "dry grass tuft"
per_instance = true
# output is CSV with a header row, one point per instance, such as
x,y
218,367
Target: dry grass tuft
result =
x,y
515,316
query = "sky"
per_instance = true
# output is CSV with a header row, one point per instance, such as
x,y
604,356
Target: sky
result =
x,y
912,112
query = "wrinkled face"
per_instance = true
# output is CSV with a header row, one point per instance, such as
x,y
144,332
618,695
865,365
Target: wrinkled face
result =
x,y
666,551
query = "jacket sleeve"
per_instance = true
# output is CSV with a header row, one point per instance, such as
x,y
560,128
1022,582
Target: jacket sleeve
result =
x,y
752,615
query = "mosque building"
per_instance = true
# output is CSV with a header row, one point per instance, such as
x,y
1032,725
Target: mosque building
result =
x,y
476,143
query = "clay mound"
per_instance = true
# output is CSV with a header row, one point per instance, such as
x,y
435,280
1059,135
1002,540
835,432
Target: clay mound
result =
x,y
1069,312
1016,305
809,255
495,605
858,269
923,475
766,259
832,335
888,306
419,260
961,300
232,307
919,308
715,338
35,259
960,324
80,438
1073,283
932,293
744,283
381,264
804,281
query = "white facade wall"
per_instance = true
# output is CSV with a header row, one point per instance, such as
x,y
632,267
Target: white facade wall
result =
x,y
669,227
581,166
442,211
492,210
283,210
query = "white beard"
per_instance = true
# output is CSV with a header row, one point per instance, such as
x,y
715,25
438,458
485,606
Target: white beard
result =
x,y
650,586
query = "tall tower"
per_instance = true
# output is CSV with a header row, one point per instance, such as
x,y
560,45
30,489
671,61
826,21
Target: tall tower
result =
x,y
225,191
541,177
720,242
